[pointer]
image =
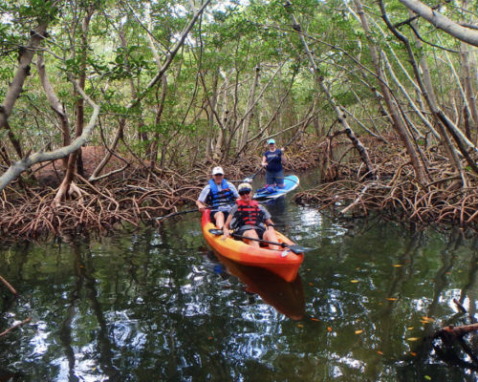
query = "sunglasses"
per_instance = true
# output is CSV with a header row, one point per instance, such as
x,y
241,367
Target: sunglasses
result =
x,y
244,192
218,174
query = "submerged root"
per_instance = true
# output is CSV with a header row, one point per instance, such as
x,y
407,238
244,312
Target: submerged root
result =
x,y
401,200
396,194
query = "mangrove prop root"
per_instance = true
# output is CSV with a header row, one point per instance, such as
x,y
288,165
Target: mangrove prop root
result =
x,y
135,198
9,286
395,194
139,196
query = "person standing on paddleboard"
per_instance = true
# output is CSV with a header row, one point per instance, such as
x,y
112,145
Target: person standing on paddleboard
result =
x,y
220,195
272,161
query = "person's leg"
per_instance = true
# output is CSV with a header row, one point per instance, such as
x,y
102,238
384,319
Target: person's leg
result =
x,y
269,179
220,219
270,235
279,179
253,235
211,216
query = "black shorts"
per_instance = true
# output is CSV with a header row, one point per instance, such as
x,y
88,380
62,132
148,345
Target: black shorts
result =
x,y
259,231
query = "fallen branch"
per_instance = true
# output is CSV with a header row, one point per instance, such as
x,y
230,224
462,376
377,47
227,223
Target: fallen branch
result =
x,y
9,286
460,306
15,326
451,333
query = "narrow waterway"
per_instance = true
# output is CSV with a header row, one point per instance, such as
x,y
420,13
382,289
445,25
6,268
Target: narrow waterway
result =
x,y
158,305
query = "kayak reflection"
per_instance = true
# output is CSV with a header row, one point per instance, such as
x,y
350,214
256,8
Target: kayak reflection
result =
x,y
287,298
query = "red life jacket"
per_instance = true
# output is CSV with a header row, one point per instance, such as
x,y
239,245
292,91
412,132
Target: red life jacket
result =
x,y
248,213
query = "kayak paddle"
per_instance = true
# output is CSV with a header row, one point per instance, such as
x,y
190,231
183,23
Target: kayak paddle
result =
x,y
249,179
179,213
297,249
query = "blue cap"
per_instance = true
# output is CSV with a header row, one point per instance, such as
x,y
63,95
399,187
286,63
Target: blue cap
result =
x,y
271,142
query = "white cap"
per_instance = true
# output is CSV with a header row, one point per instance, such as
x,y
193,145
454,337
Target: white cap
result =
x,y
217,170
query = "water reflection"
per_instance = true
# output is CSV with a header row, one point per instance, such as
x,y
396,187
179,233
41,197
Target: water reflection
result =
x,y
287,298
9,376
153,305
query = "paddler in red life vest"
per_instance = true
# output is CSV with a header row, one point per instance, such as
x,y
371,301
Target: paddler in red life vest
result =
x,y
220,195
250,219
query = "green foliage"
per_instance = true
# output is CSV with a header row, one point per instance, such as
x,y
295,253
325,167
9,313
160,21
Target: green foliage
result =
x,y
216,65
167,128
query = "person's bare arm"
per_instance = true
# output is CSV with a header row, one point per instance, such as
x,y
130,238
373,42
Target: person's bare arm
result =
x,y
284,157
201,206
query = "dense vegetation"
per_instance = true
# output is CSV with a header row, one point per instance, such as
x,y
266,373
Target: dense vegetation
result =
x,y
166,89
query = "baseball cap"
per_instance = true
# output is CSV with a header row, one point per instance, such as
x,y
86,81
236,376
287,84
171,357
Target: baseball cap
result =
x,y
271,142
244,187
217,171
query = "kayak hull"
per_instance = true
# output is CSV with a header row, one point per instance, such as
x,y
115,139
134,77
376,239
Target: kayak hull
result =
x,y
284,263
291,183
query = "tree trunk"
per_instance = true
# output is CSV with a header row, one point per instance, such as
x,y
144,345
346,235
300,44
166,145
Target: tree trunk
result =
x,y
210,152
225,115
442,22
250,108
398,123
26,55
443,122
467,82
162,70
157,120
55,104
143,136
341,117
75,162
27,162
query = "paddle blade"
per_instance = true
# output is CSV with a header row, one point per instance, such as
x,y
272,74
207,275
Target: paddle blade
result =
x,y
248,180
298,249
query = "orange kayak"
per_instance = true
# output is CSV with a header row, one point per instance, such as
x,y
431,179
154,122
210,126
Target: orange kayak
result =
x,y
283,262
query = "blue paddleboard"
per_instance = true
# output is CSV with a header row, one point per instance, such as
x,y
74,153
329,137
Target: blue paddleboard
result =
x,y
291,183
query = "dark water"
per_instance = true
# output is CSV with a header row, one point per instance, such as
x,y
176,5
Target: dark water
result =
x,y
157,305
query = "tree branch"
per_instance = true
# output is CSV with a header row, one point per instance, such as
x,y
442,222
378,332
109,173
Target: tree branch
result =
x,y
442,22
